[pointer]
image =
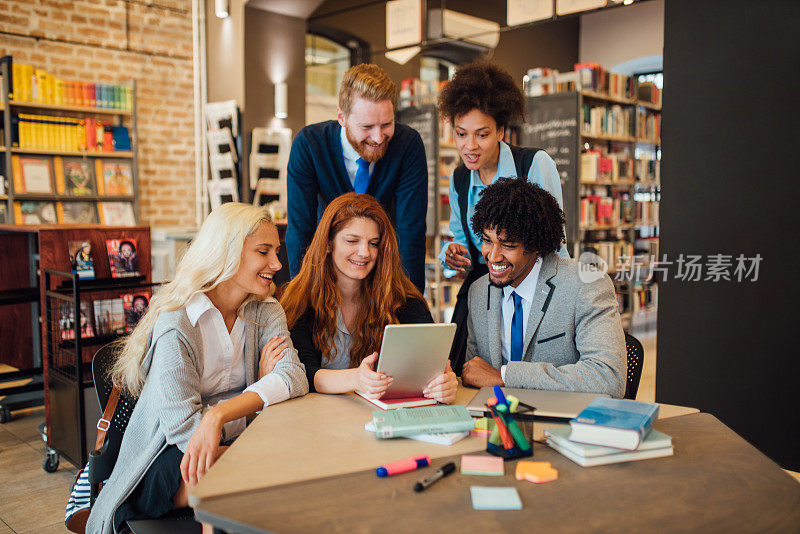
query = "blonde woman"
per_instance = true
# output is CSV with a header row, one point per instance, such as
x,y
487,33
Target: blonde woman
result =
x,y
193,364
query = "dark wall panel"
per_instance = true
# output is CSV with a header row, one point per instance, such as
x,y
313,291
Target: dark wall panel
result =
x,y
729,155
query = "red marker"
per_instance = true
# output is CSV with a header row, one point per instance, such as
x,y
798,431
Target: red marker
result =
x,y
403,466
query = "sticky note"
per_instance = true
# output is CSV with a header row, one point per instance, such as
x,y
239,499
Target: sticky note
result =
x,y
482,465
537,472
485,498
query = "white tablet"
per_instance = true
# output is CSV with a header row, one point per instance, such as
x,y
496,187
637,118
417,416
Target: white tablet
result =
x,y
413,354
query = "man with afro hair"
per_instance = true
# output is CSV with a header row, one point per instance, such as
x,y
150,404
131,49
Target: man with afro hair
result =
x,y
538,320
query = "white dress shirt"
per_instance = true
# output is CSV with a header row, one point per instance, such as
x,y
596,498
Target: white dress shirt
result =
x,y
223,361
351,158
526,290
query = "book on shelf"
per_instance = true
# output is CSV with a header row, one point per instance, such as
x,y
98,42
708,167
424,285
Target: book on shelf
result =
x,y
648,167
74,177
123,257
597,76
616,254
441,438
109,316
395,404
116,213
81,259
602,211
648,126
35,212
618,423
32,174
67,323
114,177
135,306
424,420
76,212
655,445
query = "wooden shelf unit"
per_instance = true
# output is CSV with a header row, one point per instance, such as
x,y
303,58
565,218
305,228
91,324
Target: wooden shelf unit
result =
x,y
7,150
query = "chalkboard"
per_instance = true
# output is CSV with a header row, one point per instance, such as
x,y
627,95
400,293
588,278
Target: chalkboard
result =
x,y
425,120
551,124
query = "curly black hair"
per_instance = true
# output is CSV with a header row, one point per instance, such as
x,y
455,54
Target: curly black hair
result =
x,y
527,213
485,87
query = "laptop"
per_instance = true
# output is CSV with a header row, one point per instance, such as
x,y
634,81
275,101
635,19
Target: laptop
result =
x,y
551,404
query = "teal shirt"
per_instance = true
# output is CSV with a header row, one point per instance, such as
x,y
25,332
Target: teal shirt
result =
x,y
543,173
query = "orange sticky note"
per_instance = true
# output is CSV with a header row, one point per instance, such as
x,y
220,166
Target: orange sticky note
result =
x,y
537,472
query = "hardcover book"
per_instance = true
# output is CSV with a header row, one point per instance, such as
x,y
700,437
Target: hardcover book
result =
x,y
35,212
67,323
77,212
394,404
425,420
618,423
655,445
117,177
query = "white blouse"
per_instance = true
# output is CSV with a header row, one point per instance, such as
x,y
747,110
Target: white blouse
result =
x,y
223,361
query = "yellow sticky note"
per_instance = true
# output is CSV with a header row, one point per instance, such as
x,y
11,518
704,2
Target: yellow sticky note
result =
x,y
537,472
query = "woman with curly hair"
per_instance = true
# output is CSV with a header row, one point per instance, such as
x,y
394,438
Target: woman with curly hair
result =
x,y
480,102
350,286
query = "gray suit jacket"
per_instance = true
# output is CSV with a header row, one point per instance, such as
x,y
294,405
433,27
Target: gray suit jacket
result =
x,y
573,340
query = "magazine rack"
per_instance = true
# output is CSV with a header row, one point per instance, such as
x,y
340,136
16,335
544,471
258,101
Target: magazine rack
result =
x,y
71,338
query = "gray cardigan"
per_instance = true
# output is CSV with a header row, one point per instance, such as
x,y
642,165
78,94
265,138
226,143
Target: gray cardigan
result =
x,y
573,341
169,408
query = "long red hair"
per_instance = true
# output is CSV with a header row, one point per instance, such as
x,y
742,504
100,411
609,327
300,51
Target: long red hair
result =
x,y
385,289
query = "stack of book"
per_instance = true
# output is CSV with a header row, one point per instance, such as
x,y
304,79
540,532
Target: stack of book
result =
x,y
611,431
409,422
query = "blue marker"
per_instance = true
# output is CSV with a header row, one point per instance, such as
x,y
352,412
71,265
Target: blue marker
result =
x,y
498,393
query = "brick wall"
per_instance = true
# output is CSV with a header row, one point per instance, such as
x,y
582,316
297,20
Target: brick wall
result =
x,y
112,41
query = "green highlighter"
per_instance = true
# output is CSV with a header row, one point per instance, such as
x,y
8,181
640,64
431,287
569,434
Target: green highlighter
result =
x,y
513,428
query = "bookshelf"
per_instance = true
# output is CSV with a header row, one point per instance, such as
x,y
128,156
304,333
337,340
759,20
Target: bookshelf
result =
x,y
607,149
57,202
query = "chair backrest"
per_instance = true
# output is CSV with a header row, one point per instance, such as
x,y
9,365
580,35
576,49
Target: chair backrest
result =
x,y
635,360
102,464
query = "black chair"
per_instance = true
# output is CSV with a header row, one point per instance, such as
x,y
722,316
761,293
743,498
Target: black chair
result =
x,y
635,360
101,462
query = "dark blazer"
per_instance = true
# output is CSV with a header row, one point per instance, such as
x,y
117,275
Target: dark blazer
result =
x,y
316,175
413,311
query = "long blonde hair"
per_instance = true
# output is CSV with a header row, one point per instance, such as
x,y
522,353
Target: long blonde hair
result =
x,y
213,256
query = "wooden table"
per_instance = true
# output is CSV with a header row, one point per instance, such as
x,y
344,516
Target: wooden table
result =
x,y
307,465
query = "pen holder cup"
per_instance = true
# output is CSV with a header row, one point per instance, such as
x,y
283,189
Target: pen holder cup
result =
x,y
523,419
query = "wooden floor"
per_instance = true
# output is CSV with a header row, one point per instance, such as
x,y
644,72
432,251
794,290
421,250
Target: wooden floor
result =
x,y
32,500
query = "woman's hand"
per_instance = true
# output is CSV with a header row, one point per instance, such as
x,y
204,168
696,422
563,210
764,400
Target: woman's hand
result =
x,y
443,388
367,381
271,354
203,448
456,257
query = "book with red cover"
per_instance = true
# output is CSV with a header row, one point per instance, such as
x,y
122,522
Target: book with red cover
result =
x,y
394,404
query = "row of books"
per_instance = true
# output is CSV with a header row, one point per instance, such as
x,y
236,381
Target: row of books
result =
x,y
648,126
611,431
43,132
611,83
37,85
646,212
649,92
614,253
648,168
72,176
597,210
103,317
607,120
601,166
71,212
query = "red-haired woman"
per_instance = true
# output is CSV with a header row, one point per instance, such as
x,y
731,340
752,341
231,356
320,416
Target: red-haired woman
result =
x,y
350,286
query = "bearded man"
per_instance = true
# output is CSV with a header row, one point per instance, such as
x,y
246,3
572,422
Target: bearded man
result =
x,y
365,151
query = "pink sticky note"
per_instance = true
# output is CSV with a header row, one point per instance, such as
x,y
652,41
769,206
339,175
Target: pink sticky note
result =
x,y
482,465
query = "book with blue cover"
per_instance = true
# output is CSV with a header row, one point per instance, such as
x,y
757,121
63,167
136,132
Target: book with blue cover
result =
x,y
425,420
617,423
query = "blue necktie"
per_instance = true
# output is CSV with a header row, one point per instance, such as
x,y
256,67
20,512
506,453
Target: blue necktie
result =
x,y
516,329
362,176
